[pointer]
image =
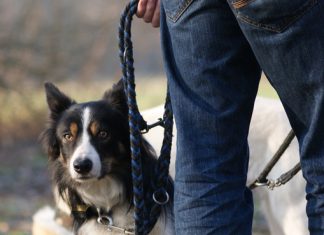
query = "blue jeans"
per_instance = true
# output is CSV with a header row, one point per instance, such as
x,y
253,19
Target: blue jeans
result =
x,y
214,51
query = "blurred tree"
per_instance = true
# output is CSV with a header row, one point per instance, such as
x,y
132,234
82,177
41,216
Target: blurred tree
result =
x,y
55,40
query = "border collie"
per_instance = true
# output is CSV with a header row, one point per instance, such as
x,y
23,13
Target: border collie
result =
x,y
89,156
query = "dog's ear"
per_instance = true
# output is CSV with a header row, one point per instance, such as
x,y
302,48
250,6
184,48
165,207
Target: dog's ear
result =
x,y
56,100
57,103
116,97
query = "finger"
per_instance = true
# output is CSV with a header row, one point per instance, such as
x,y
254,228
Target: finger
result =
x,y
141,8
156,15
150,8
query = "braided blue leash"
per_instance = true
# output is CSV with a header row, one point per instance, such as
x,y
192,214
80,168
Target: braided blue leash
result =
x,y
146,208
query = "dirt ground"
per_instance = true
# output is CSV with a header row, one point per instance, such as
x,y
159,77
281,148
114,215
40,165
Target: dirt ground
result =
x,y
25,187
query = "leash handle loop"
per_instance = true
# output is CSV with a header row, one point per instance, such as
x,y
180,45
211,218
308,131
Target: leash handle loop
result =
x,y
146,212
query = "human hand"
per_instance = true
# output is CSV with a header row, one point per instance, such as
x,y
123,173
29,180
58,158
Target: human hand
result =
x,y
149,10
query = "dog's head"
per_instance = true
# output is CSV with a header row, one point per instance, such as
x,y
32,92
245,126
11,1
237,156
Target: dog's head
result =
x,y
87,140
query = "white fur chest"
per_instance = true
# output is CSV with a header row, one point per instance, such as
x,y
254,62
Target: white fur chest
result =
x,y
104,193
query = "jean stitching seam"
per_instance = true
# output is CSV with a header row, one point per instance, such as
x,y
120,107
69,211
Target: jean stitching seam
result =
x,y
180,10
241,3
297,14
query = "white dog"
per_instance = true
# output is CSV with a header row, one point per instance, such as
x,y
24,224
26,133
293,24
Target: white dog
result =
x,y
284,207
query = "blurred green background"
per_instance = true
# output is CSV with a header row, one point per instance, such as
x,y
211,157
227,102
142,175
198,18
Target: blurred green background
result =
x,y
72,43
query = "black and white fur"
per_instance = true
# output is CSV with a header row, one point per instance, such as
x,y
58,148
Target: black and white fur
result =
x,y
89,157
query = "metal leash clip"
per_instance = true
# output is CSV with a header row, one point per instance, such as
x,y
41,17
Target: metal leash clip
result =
x,y
121,230
273,184
260,184
105,220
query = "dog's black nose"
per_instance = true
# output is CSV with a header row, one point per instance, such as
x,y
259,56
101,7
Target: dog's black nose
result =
x,y
82,166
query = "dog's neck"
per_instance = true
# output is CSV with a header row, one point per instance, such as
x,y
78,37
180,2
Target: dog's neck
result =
x,y
105,193
107,197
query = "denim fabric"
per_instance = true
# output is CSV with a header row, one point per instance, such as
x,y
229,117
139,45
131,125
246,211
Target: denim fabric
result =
x,y
213,52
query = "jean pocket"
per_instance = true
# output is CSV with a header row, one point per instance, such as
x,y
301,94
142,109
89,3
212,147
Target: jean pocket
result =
x,y
175,8
273,15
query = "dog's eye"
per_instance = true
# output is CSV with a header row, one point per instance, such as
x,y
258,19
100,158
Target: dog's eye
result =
x,y
103,134
68,137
